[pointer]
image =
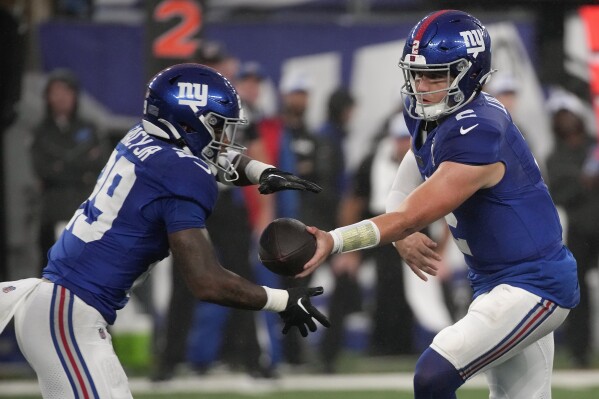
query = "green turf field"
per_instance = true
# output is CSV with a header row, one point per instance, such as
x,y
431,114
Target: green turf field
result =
x,y
350,365
463,394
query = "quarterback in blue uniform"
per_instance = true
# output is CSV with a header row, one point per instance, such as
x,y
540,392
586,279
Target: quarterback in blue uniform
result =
x,y
153,196
476,171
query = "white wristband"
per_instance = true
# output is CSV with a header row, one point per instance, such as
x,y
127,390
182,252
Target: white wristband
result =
x,y
361,235
276,300
336,242
254,170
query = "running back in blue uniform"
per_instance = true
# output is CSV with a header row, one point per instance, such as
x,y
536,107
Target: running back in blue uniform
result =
x,y
478,173
152,198
147,190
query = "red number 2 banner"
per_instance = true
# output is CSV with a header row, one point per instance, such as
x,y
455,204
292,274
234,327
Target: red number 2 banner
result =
x,y
173,32
181,40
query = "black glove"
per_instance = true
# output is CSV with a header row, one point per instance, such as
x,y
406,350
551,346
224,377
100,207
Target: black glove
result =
x,y
300,311
274,179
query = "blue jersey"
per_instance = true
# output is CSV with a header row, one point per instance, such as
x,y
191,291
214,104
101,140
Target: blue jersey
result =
x,y
148,189
509,233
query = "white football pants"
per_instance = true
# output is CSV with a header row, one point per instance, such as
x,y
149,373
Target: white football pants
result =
x,y
67,344
508,335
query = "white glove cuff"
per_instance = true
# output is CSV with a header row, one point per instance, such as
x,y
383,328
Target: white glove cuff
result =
x,y
254,170
276,300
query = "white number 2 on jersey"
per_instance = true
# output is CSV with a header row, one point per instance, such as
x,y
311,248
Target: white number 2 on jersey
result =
x,y
460,242
106,201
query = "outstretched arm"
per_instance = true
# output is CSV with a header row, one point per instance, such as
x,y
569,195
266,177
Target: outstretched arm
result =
x,y
444,191
270,178
195,257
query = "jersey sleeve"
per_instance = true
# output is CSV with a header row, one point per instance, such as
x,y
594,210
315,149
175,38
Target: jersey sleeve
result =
x,y
478,146
407,179
177,214
190,179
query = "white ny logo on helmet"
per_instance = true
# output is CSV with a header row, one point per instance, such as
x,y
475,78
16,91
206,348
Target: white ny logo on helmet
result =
x,y
193,94
474,41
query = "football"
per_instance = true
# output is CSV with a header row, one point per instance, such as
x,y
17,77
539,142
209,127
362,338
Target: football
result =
x,y
286,246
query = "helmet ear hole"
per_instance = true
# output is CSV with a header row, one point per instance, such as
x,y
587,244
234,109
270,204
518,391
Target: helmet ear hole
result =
x,y
212,120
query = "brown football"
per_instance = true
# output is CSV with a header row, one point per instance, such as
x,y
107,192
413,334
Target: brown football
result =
x,y
286,246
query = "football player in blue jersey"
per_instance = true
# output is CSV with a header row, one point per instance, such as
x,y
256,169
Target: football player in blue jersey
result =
x,y
479,174
154,195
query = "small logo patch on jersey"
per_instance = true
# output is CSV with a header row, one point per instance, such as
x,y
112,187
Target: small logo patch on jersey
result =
x,y
464,131
102,333
8,289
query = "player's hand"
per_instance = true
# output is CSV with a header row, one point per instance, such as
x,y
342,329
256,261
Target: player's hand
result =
x,y
274,179
418,251
300,312
324,247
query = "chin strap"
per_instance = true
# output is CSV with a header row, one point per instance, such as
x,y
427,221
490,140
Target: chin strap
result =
x,y
483,81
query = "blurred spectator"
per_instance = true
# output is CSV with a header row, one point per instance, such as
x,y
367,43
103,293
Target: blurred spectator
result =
x,y
12,48
67,156
248,83
215,55
504,87
330,159
572,189
391,318
291,146
345,298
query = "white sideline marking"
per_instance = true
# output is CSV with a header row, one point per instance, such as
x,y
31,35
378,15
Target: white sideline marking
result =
x,y
242,383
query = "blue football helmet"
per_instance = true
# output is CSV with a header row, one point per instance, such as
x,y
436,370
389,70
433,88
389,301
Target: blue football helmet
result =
x,y
451,43
198,110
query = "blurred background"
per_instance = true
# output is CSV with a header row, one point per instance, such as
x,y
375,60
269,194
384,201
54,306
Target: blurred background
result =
x,y
341,57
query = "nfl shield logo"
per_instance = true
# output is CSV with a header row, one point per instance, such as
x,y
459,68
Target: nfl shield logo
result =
x,y
8,289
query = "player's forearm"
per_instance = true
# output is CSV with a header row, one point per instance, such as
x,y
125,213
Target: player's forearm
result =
x,y
249,169
369,233
398,225
229,289
234,291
